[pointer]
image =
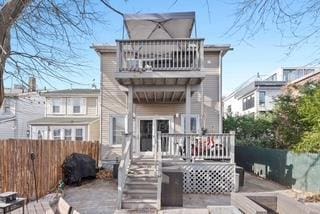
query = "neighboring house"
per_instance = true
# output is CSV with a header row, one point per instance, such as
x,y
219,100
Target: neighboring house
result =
x,y
293,87
160,93
289,74
255,98
71,114
19,106
258,95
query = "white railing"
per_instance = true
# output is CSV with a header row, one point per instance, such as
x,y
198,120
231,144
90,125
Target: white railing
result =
x,y
199,147
160,55
124,165
158,158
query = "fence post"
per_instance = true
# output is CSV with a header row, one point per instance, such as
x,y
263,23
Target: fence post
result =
x,y
232,146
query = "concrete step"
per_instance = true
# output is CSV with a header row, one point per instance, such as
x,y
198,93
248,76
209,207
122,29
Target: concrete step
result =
x,y
139,204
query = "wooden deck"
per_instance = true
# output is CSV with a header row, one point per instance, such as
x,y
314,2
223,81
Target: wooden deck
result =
x,y
34,207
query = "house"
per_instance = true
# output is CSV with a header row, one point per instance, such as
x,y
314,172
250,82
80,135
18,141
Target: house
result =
x,y
160,104
257,95
19,106
253,98
71,114
293,87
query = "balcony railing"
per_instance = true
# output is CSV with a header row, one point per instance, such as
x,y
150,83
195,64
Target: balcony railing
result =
x,y
160,55
198,147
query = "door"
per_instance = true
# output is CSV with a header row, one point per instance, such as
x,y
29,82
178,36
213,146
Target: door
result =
x,y
146,135
147,131
163,127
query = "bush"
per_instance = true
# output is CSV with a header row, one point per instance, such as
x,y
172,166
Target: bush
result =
x,y
250,130
294,124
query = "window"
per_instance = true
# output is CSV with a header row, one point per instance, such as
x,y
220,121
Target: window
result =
x,y
67,134
57,134
248,102
194,123
229,109
39,135
79,134
118,128
56,105
76,106
7,109
262,98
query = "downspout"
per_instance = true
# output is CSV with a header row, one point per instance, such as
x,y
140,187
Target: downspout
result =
x,y
220,93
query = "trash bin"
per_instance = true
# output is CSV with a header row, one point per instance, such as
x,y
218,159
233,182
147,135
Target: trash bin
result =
x,y
240,171
172,187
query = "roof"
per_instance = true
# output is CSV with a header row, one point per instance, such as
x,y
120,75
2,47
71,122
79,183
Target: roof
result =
x,y
159,25
63,120
79,91
255,84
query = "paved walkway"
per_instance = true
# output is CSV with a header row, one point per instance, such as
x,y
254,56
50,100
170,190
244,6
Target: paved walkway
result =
x,y
96,197
100,196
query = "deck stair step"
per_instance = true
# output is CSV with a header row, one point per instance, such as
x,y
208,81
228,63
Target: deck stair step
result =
x,y
140,191
139,204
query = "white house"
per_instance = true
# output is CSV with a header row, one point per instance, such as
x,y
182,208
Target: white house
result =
x,y
71,114
19,106
257,95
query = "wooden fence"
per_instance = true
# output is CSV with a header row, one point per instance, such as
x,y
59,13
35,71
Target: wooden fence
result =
x,y
16,171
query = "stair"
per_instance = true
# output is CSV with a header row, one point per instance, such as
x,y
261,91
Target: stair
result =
x,y
140,191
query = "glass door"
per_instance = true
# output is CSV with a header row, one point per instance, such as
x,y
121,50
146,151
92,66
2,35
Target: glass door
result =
x,y
163,127
146,135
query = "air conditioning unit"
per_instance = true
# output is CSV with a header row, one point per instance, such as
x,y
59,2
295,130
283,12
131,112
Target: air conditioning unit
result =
x,y
134,64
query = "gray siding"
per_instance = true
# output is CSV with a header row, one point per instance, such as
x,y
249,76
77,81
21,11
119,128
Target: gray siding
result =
x,y
114,101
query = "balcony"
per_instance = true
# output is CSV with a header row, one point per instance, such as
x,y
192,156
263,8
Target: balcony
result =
x,y
160,55
160,62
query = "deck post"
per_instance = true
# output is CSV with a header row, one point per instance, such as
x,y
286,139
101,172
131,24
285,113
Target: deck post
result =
x,y
232,146
187,118
130,116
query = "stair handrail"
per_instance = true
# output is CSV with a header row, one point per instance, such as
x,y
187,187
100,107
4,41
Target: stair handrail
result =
x,y
158,161
124,167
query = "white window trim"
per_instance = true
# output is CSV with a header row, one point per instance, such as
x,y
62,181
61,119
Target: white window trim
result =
x,y
61,106
191,115
111,125
83,108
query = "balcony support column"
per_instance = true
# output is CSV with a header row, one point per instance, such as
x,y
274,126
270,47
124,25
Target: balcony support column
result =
x,y
187,118
130,115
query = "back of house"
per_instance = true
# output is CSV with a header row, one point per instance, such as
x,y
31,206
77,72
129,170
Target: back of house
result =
x,y
160,78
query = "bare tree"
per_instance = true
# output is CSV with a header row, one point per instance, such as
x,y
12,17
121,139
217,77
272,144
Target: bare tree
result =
x,y
297,21
40,37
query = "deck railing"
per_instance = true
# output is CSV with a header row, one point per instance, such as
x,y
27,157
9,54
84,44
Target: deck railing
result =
x,y
160,55
199,147
124,165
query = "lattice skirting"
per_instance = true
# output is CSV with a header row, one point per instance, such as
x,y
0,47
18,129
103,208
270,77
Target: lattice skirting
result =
x,y
208,178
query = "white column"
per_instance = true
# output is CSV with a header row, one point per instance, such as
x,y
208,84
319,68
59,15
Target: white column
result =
x,y
188,108
130,114
220,94
187,118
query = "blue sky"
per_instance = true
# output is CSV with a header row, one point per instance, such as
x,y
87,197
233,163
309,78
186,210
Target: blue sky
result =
x,y
262,54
